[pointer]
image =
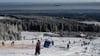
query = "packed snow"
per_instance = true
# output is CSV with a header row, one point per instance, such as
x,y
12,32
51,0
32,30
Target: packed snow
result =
x,y
25,47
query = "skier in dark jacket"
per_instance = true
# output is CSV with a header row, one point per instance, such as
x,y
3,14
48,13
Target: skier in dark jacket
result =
x,y
67,46
12,43
3,43
52,42
37,49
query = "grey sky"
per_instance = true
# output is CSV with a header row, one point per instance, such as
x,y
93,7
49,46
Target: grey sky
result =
x,y
41,1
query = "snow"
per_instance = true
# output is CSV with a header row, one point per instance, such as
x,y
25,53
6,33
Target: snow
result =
x,y
59,48
1,17
31,35
91,22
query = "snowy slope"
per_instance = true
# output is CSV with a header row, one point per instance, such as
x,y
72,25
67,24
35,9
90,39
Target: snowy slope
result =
x,y
59,49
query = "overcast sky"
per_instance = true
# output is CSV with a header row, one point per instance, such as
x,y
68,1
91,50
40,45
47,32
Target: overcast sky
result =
x,y
51,1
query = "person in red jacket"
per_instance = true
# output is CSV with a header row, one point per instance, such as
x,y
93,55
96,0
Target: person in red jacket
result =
x,y
37,48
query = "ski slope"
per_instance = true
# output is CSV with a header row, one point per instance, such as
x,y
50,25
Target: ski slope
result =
x,y
59,48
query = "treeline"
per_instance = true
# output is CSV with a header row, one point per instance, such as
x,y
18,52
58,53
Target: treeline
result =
x,y
50,24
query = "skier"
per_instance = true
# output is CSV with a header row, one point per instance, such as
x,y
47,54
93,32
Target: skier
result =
x,y
52,42
67,46
32,41
69,42
73,42
37,49
12,43
3,43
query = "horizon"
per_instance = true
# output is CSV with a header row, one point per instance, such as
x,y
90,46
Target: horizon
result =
x,y
48,1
